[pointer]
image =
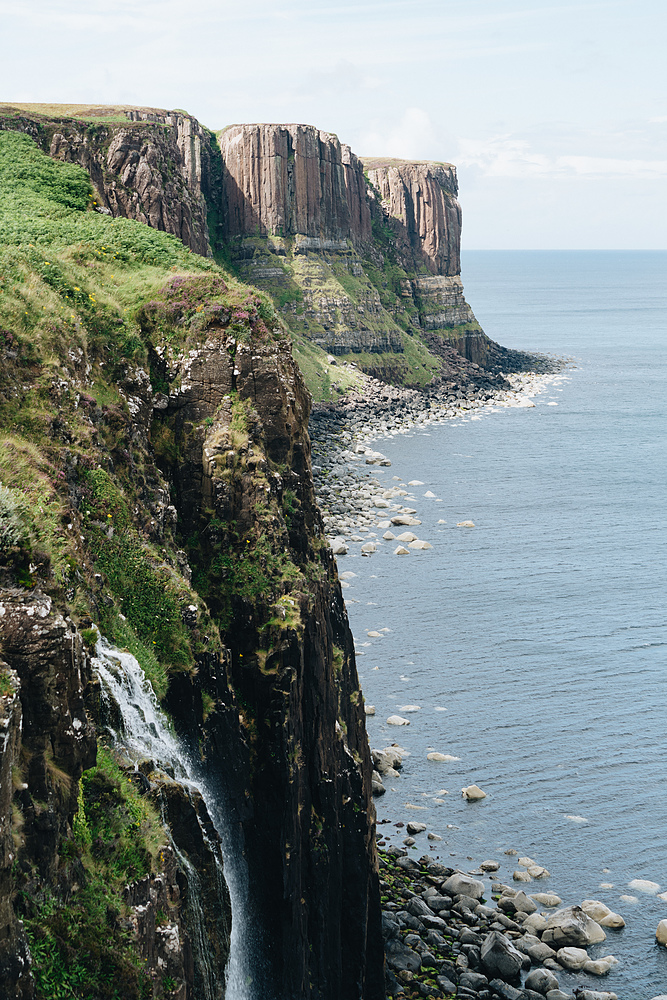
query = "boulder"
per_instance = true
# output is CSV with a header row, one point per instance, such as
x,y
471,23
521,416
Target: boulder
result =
x,y
401,550
541,980
389,536
600,966
463,885
572,959
517,902
594,909
420,545
537,871
572,927
500,958
384,763
400,957
536,950
406,536
546,898
416,907
661,933
339,547
473,981
613,920
535,923
644,885
472,793
521,876
489,866
465,524
435,755
413,828
369,709
394,755
397,720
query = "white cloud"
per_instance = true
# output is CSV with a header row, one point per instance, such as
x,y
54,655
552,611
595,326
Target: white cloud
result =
x,y
407,139
506,156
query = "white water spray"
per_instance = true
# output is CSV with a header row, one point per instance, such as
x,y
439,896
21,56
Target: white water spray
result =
x,y
146,733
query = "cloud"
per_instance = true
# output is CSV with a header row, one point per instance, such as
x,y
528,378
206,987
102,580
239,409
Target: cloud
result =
x,y
506,156
408,139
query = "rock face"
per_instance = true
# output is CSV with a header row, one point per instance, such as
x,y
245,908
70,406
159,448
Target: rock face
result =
x,y
304,795
422,197
158,168
356,262
46,652
284,180
15,978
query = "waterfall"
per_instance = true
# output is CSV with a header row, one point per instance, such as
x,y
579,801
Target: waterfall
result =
x,y
146,733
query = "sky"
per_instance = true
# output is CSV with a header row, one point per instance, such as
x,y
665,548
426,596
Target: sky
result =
x,y
555,114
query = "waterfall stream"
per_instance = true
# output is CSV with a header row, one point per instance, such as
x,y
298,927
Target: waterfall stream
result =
x,y
146,733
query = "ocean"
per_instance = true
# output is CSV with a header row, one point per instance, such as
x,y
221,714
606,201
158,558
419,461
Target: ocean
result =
x,y
534,643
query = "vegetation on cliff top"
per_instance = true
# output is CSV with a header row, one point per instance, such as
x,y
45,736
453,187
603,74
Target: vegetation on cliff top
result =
x,y
91,310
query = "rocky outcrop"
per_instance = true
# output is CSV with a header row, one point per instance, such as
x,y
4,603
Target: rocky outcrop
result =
x,y
47,653
157,168
239,414
288,179
422,197
15,978
48,742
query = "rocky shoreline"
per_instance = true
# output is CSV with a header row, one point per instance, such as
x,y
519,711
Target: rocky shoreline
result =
x,y
352,500
448,934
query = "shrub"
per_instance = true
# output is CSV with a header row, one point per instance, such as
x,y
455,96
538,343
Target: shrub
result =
x,y
13,509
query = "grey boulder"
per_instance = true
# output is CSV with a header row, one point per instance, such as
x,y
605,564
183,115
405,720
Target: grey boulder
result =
x,y
463,885
500,958
541,980
571,927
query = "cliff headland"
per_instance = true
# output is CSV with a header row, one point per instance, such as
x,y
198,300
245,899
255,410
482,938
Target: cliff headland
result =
x,y
171,303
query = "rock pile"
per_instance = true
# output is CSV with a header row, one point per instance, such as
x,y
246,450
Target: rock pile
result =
x,y
442,939
350,498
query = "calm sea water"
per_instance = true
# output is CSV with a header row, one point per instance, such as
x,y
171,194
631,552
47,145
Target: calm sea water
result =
x,y
535,644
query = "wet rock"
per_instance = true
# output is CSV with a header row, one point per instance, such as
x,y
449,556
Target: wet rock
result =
x,y
572,959
500,958
541,980
546,898
473,980
600,966
413,828
472,793
459,884
518,902
572,927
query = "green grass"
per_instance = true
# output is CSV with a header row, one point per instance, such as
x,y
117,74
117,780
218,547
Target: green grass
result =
x,y
78,946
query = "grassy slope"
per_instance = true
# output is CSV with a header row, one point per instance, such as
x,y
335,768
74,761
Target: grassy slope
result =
x,y
83,299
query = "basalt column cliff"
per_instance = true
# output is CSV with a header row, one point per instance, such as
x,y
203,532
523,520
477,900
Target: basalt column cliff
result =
x,y
358,255
172,301
156,488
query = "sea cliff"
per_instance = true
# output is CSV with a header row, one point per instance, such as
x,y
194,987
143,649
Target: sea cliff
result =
x,y
172,301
